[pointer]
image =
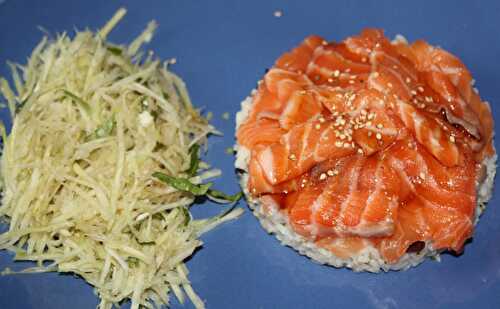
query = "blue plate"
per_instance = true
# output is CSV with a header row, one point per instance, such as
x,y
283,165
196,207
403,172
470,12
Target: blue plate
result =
x,y
223,48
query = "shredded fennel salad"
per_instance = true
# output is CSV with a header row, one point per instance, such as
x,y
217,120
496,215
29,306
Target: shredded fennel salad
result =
x,y
101,166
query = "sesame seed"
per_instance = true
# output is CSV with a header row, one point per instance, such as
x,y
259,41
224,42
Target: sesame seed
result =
x,y
368,123
376,74
363,112
351,82
395,67
371,116
322,176
421,105
278,13
360,151
389,85
321,119
303,92
380,126
413,93
330,80
378,136
347,145
428,99
342,121
395,96
338,144
420,89
336,73
324,43
452,138
422,175
370,133
347,70
342,136
452,107
330,173
292,157
408,80
352,77
414,101
364,59
377,45
317,126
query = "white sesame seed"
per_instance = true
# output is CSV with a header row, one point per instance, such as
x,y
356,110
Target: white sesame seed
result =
x,y
342,136
389,85
370,133
413,93
376,74
338,144
380,126
408,80
292,157
420,89
452,138
422,175
364,112
360,151
322,176
395,67
278,13
330,80
336,73
347,145
368,123
330,173
378,136
347,70
371,116
351,82
364,59
317,126
324,43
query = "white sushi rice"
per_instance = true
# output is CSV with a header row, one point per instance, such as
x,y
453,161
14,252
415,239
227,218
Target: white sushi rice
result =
x,y
369,259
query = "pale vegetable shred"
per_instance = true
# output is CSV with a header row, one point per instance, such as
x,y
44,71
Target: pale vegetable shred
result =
x,y
92,122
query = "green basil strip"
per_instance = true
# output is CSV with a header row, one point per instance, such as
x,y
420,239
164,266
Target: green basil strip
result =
x,y
223,196
183,184
195,160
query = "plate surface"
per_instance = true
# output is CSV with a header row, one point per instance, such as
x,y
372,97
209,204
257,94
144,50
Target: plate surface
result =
x,y
223,48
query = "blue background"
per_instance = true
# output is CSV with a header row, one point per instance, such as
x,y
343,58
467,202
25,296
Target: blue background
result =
x,y
222,48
